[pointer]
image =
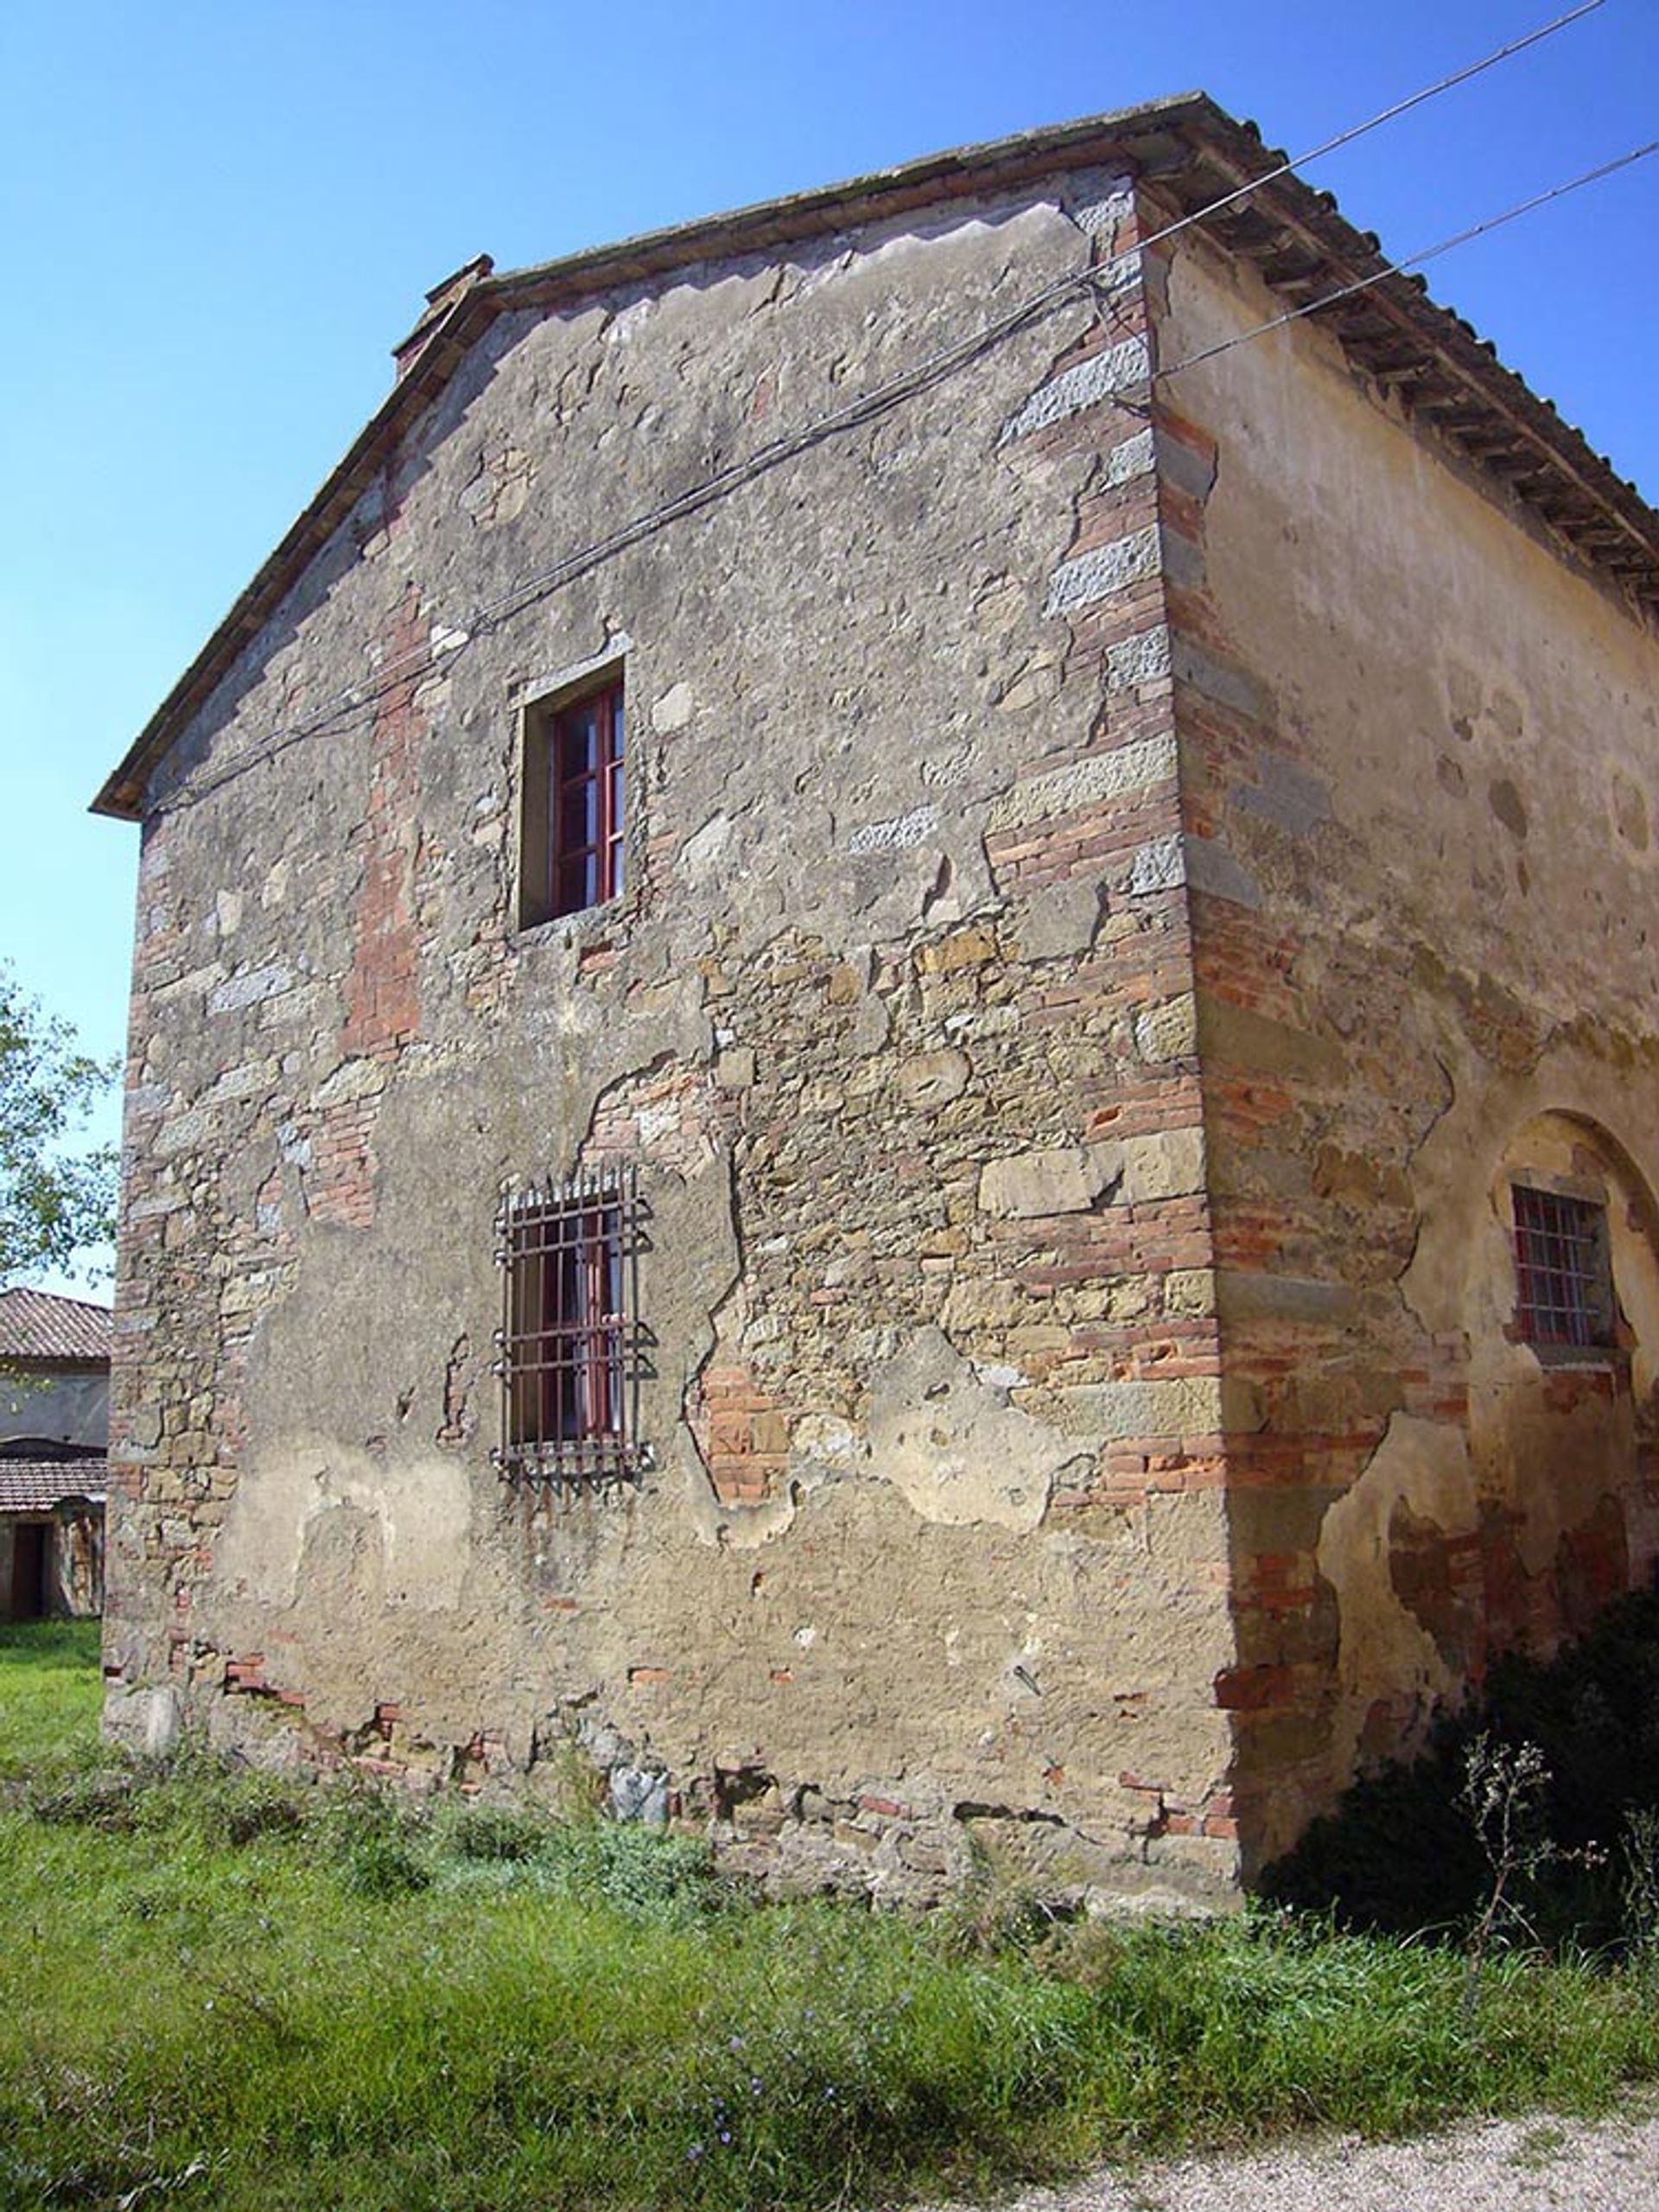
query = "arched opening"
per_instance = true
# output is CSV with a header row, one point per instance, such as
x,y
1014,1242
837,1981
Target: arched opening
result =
x,y
1562,1308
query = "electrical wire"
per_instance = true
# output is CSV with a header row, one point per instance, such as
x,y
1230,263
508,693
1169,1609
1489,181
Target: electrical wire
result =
x,y
1385,115
409,665
1412,260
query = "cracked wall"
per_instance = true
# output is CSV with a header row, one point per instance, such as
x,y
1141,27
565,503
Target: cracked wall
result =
x,y
1418,750
896,1021
1117,894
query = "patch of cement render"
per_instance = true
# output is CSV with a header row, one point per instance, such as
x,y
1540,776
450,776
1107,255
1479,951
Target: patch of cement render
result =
x,y
1384,1649
1457,1161
418,1508
955,1449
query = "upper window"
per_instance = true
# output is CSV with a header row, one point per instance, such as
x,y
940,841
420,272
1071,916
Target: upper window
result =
x,y
572,851
568,1341
1563,1275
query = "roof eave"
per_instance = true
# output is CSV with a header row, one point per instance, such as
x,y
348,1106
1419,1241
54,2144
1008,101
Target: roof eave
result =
x,y
1187,136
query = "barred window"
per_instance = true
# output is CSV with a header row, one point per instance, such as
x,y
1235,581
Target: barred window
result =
x,y
568,1341
1564,1280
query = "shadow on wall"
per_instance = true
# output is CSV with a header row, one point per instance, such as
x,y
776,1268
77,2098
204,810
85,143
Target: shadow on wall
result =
x,y
1500,1508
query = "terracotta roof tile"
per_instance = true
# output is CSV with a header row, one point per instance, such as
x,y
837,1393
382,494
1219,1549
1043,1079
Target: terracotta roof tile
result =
x,y
38,1485
38,1325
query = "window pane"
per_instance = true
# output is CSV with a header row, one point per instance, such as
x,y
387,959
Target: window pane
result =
x,y
576,883
577,731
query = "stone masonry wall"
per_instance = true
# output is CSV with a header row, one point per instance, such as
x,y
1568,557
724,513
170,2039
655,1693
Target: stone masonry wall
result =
x,y
1419,757
896,1020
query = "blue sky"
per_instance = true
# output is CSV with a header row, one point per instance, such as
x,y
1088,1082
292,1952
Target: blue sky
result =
x,y
220,218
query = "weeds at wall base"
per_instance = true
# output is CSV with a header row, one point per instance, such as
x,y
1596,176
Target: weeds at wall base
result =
x,y
231,1991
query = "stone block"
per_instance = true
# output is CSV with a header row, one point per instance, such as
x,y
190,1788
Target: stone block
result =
x,y
1228,1033
1060,918
1090,577
1249,1297
1067,1180
1143,659
967,948
673,710
734,1067
1169,1031
1186,1405
1219,874
930,1080
1127,770
1162,1164
1189,1290
1099,376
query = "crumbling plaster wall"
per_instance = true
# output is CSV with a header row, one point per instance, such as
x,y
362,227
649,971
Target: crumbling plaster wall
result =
x,y
896,1017
1419,750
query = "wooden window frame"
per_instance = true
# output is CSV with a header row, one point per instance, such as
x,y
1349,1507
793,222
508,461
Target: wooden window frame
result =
x,y
568,1348
573,839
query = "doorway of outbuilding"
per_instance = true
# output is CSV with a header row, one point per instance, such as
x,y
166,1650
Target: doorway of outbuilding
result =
x,y
31,1553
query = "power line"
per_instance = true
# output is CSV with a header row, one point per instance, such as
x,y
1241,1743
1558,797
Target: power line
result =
x,y
930,369
1386,115
1413,260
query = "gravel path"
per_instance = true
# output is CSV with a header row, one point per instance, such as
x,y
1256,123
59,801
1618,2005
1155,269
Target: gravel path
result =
x,y
1511,2165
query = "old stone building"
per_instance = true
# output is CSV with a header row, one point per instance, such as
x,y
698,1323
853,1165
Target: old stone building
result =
x,y
893,1062
55,1415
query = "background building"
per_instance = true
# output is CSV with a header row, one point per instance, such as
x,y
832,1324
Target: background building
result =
x,y
55,1412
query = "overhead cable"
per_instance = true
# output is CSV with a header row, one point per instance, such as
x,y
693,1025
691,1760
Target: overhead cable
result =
x,y
1411,261
878,400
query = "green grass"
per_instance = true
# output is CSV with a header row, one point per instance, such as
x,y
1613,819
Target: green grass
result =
x,y
221,1991
50,1693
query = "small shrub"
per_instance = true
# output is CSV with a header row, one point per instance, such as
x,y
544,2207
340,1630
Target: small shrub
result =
x,y
218,1799
1400,1855
97,1797
643,1873
493,1833
1089,1953
386,1865
993,1916
1639,1853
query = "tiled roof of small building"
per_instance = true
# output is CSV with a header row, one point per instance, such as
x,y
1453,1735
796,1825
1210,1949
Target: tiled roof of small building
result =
x,y
39,1325
40,1485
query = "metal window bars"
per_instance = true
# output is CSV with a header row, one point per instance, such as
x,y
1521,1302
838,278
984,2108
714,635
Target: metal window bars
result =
x,y
568,1348
1564,1294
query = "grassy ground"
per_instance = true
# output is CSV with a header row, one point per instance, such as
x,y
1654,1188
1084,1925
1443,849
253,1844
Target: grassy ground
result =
x,y
50,1692
217,1991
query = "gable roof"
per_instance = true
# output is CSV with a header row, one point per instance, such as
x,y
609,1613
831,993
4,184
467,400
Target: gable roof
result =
x,y
1196,154
37,1325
